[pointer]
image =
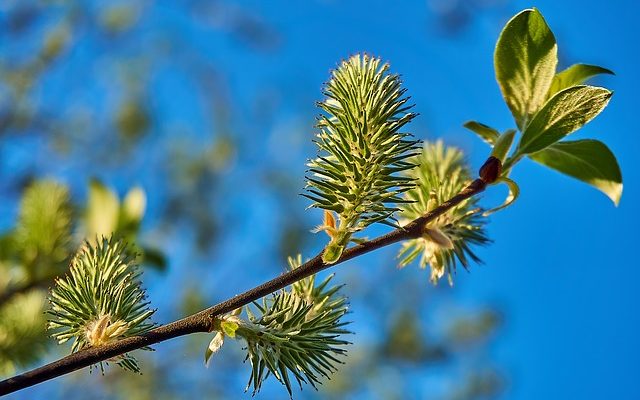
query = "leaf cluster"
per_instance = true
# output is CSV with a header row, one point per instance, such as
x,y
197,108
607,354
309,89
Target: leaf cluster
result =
x,y
547,105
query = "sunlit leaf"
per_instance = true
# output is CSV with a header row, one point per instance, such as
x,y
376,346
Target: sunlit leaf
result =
x,y
486,133
525,62
103,209
133,206
576,74
563,114
587,160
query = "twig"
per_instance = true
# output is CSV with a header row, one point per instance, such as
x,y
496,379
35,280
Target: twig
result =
x,y
203,320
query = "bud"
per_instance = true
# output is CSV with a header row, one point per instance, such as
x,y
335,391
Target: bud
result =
x,y
490,170
329,220
332,252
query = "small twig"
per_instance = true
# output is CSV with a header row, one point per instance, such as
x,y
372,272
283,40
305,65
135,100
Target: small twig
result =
x,y
203,320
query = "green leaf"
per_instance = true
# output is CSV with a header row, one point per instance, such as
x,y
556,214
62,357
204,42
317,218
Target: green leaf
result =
x,y
514,193
214,346
229,328
486,133
576,74
525,61
503,144
563,114
588,160
154,258
133,206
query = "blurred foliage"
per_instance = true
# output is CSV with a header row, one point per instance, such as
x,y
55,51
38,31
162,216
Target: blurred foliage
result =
x,y
22,339
43,231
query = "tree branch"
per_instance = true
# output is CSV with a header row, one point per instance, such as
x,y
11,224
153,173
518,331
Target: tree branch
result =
x,y
203,320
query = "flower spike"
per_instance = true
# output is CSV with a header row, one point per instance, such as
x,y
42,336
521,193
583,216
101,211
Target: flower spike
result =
x,y
361,149
447,240
100,300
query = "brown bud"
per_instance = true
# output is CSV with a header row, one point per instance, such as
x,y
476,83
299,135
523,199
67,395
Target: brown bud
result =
x,y
490,170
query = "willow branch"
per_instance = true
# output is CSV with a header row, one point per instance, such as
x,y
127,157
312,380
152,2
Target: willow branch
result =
x,y
203,320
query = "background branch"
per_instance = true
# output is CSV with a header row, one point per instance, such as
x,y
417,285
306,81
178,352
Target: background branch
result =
x,y
203,320
12,291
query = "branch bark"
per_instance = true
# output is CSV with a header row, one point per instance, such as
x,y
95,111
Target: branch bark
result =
x,y
203,320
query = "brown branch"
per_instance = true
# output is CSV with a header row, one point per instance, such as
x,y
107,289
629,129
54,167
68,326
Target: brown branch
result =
x,y
203,320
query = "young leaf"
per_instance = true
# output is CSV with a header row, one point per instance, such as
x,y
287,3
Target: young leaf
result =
x,y
588,160
576,74
525,62
229,328
103,210
503,145
133,206
563,114
214,346
514,193
486,133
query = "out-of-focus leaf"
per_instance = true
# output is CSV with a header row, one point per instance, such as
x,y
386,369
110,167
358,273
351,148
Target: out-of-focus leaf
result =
x,y
474,328
132,119
133,206
119,18
406,341
22,336
154,258
43,229
103,210
54,42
